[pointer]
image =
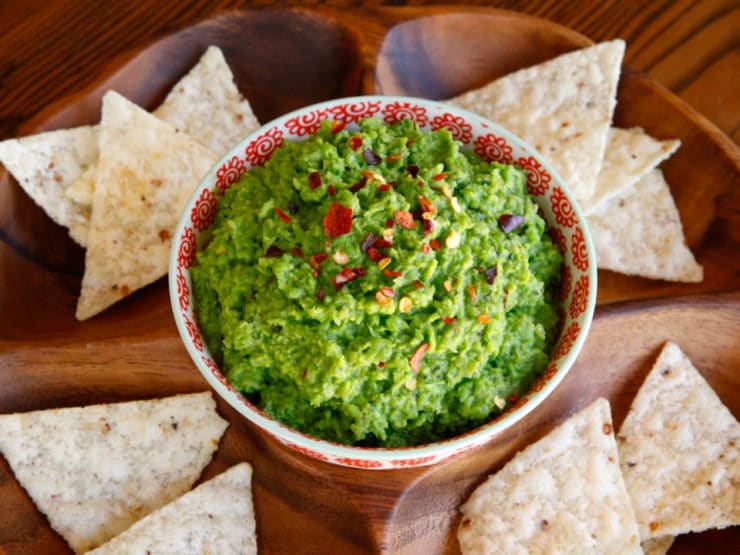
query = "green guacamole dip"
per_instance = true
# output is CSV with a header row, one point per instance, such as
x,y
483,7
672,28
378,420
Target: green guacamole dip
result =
x,y
378,286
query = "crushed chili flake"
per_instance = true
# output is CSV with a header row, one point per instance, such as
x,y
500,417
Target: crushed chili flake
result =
x,y
491,274
314,180
391,273
420,184
415,360
317,259
320,294
381,364
292,207
371,157
393,157
509,222
439,176
418,284
383,188
297,252
331,190
382,244
303,374
425,248
368,242
374,254
427,205
273,251
283,216
448,319
404,218
513,398
413,169
389,223
383,263
484,318
337,126
654,526
355,142
338,220
428,226
359,185
347,275
435,244
471,292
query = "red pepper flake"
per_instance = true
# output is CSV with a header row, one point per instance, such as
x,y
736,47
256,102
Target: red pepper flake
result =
x,y
337,126
393,157
513,398
374,255
388,292
420,184
381,364
435,244
303,374
429,226
418,284
283,216
347,275
338,220
383,188
404,218
382,244
355,142
472,292
439,176
273,251
314,180
315,273
391,273
297,252
389,223
331,190
320,294
415,360
413,169
359,185
317,259
448,319
425,248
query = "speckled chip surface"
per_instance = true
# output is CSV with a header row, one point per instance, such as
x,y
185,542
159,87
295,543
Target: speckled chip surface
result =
x,y
562,494
680,452
95,470
217,517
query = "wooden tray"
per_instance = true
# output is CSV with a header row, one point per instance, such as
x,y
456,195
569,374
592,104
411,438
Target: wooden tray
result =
x,y
132,351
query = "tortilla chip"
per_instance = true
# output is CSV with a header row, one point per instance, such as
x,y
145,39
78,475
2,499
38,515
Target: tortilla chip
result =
x,y
680,452
657,546
216,517
207,106
638,232
96,470
145,175
562,107
46,164
629,155
562,494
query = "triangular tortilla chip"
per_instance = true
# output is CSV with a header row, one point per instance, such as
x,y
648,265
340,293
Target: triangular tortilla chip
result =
x,y
680,452
207,106
217,517
45,165
562,107
562,494
145,175
638,232
629,155
657,546
96,470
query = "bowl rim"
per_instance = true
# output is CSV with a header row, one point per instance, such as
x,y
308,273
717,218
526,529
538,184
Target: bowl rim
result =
x,y
438,450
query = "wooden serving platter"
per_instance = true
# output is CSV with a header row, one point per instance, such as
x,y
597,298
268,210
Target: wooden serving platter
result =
x,y
132,351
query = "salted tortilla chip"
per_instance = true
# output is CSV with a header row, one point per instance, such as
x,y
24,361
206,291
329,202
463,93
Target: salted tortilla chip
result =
x,y
46,164
562,494
207,106
145,175
629,155
95,470
657,546
216,517
562,107
638,232
680,452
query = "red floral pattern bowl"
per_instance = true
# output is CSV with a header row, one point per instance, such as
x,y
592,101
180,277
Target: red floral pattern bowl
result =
x,y
566,222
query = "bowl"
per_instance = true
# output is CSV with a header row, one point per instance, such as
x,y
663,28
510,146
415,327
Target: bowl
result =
x,y
492,142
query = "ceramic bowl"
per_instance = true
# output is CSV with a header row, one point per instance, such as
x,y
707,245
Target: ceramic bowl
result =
x,y
492,142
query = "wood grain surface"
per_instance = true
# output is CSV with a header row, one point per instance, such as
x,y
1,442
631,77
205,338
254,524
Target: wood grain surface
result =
x,y
56,60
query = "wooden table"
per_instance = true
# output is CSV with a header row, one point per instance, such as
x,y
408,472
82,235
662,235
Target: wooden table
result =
x,y
49,50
